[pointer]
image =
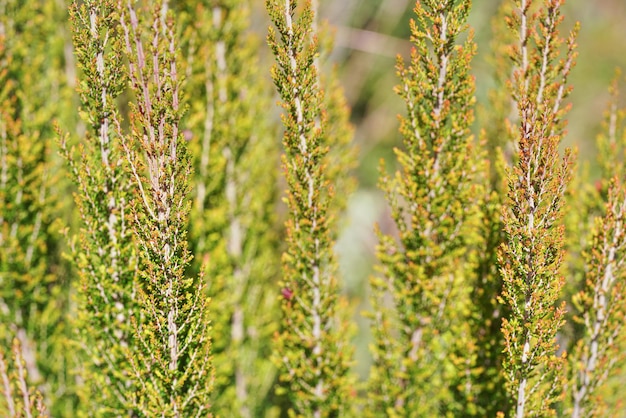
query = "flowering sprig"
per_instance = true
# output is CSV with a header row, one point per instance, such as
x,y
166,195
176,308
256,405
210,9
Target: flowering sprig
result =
x,y
418,369
311,347
597,353
601,306
107,296
172,365
531,258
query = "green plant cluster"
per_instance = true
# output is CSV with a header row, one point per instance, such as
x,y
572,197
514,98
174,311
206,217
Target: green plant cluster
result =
x,y
194,273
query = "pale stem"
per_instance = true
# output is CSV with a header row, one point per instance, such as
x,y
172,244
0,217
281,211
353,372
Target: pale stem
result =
x,y
21,380
6,382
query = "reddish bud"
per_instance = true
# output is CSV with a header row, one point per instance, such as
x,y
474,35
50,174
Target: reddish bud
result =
x,y
598,186
287,293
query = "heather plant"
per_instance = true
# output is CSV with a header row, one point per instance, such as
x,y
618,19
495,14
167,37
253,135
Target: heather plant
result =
x,y
496,145
104,254
176,305
418,367
611,142
601,309
311,348
532,254
599,304
172,363
500,124
146,322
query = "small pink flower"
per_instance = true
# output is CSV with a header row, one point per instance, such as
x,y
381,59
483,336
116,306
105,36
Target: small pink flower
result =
x,y
287,293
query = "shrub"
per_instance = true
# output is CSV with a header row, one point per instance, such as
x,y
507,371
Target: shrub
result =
x,y
499,289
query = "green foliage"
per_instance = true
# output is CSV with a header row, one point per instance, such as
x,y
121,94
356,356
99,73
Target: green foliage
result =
x,y
105,256
611,142
601,308
19,399
145,323
532,255
600,302
497,142
172,363
312,349
342,154
233,214
423,355
174,304
33,289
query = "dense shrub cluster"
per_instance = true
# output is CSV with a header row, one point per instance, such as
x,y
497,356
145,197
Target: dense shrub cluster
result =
x,y
194,273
